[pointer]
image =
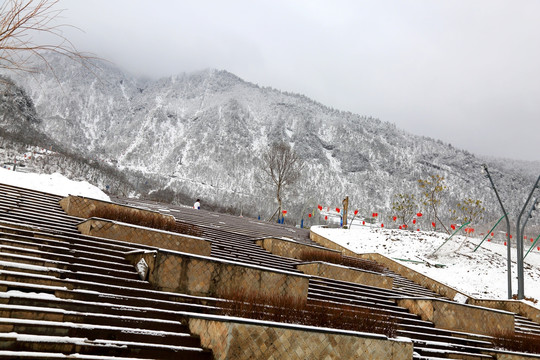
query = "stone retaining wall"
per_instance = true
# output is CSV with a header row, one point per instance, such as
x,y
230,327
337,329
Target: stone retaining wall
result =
x,y
453,316
145,236
245,340
289,248
83,207
344,273
203,276
514,306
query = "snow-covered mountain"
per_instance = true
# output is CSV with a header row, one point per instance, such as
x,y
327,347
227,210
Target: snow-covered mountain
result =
x,y
202,134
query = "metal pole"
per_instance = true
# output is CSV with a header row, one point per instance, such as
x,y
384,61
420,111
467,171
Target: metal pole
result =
x,y
533,207
508,249
521,282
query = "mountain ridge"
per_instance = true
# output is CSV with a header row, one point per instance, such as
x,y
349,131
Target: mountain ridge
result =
x,y
203,133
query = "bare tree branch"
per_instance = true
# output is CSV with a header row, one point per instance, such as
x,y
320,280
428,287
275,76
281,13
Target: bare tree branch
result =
x,y
283,167
20,21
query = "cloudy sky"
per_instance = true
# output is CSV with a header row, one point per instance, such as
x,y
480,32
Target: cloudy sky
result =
x,y
463,71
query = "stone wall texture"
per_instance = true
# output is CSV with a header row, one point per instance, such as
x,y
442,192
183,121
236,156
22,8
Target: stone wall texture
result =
x,y
240,341
195,275
398,268
145,236
288,248
82,207
346,274
453,316
514,306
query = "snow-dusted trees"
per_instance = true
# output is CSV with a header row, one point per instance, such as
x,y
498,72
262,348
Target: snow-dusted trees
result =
x,y
20,21
468,210
432,189
283,167
405,207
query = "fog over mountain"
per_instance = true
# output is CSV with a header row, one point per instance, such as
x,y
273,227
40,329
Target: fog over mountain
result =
x,y
202,135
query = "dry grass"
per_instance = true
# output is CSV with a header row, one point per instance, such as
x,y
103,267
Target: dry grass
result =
x,y
520,342
286,309
531,299
146,219
337,258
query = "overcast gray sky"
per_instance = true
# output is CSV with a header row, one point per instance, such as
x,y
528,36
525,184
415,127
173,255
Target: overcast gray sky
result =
x,y
463,71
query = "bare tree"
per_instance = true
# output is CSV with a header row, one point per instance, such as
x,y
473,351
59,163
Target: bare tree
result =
x,y
283,167
432,190
20,21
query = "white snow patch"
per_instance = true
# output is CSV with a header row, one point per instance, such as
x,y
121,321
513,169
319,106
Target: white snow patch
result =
x,y
51,183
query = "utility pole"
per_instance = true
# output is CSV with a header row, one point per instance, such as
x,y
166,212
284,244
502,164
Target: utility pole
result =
x,y
345,203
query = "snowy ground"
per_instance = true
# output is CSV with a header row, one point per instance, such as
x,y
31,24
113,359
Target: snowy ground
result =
x,y
53,183
481,274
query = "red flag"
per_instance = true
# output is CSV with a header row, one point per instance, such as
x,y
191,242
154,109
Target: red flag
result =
x,y
355,212
400,227
394,218
414,221
382,225
505,243
309,215
326,217
489,239
363,223
433,224
284,212
337,209
419,214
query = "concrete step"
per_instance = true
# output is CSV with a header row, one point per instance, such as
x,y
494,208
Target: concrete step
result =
x,y
67,258
95,332
74,275
103,304
34,355
68,345
62,265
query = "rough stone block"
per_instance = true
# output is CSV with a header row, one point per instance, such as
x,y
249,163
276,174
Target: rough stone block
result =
x,y
205,276
146,236
344,273
249,340
454,316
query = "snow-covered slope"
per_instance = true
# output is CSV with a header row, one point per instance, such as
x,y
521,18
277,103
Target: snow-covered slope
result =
x,y
203,133
482,274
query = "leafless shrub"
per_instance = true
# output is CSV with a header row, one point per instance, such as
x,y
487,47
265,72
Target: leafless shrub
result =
x,y
143,218
287,309
337,258
517,341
